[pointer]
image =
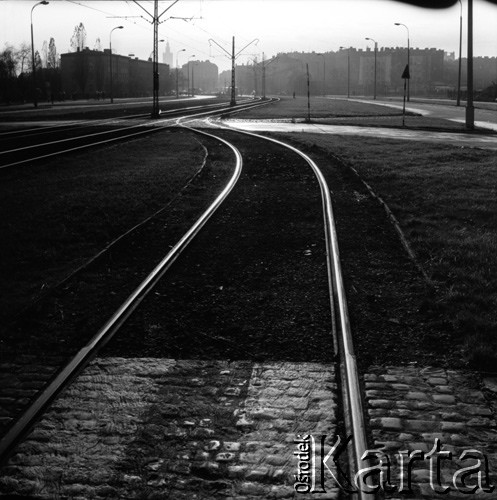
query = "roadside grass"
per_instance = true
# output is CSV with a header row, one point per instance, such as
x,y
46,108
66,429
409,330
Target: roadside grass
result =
x,y
445,198
344,112
60,213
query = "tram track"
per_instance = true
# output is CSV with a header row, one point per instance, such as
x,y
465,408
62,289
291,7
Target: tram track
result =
x,y
336,319
18,148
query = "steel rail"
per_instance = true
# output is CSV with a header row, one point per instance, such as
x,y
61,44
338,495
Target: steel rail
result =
x,y
69,139
67,125
47,129
155,126
84,355
351,387
229,111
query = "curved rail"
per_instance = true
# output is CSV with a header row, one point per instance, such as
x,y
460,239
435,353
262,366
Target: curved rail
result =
x,y
155,126
351,392
84,355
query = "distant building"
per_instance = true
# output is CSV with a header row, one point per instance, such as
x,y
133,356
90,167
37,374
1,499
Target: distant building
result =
x,y
167,57
86,73
348,70
203,75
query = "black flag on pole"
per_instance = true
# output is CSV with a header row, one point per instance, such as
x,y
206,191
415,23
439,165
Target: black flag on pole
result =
x,y
406,74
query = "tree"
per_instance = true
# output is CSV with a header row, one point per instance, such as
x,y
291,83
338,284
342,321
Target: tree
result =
x,y
24,54
8,63
98,45
78,39
52,57
8,79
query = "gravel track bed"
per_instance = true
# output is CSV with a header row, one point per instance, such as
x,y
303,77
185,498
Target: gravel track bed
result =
x,y
65,319
253,284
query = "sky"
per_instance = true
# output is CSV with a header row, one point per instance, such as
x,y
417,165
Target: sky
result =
x,y
266,26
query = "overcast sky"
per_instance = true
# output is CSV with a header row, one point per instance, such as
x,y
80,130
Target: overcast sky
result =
x,y
279,25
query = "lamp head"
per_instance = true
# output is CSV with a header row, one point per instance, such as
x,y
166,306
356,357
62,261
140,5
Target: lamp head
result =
x,y
44,2
120,27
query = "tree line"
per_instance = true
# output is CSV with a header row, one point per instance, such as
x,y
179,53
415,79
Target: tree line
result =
x,y
17,84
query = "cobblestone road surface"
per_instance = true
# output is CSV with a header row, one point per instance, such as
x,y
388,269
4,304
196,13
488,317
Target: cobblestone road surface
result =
x,y
154,428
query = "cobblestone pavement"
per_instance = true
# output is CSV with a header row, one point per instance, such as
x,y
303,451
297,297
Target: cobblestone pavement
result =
x,y
20,381
155,428
411,407
152,428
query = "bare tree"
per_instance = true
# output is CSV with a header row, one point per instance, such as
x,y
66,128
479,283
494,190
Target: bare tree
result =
x,y
24,54
78,39
53,57
8,62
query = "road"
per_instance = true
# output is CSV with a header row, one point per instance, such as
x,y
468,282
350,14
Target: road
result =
x,y
485,117
485,112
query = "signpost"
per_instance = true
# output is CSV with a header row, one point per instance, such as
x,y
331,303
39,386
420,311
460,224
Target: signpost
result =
x,y
406,76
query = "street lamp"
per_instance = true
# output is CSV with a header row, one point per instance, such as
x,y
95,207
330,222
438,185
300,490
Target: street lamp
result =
x,y
408,60
151,53
348,70
470,109
460,50
188,73
324,72
35,99
375,51
177,90
110,59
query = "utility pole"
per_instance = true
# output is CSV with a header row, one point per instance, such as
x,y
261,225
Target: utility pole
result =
x,y
233,57
263,78
264,64
33,62
233,93
375,52
470,110
155,61
460,55
308,96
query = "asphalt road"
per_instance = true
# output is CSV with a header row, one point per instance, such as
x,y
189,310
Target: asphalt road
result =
x,y
485,112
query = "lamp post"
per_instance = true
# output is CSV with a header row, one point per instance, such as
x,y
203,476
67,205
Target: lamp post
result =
x,y
470,109
152,53
188,74
263,78
460,50
348,70
177,89
375,52
408,60
33,65
324,73
110,59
